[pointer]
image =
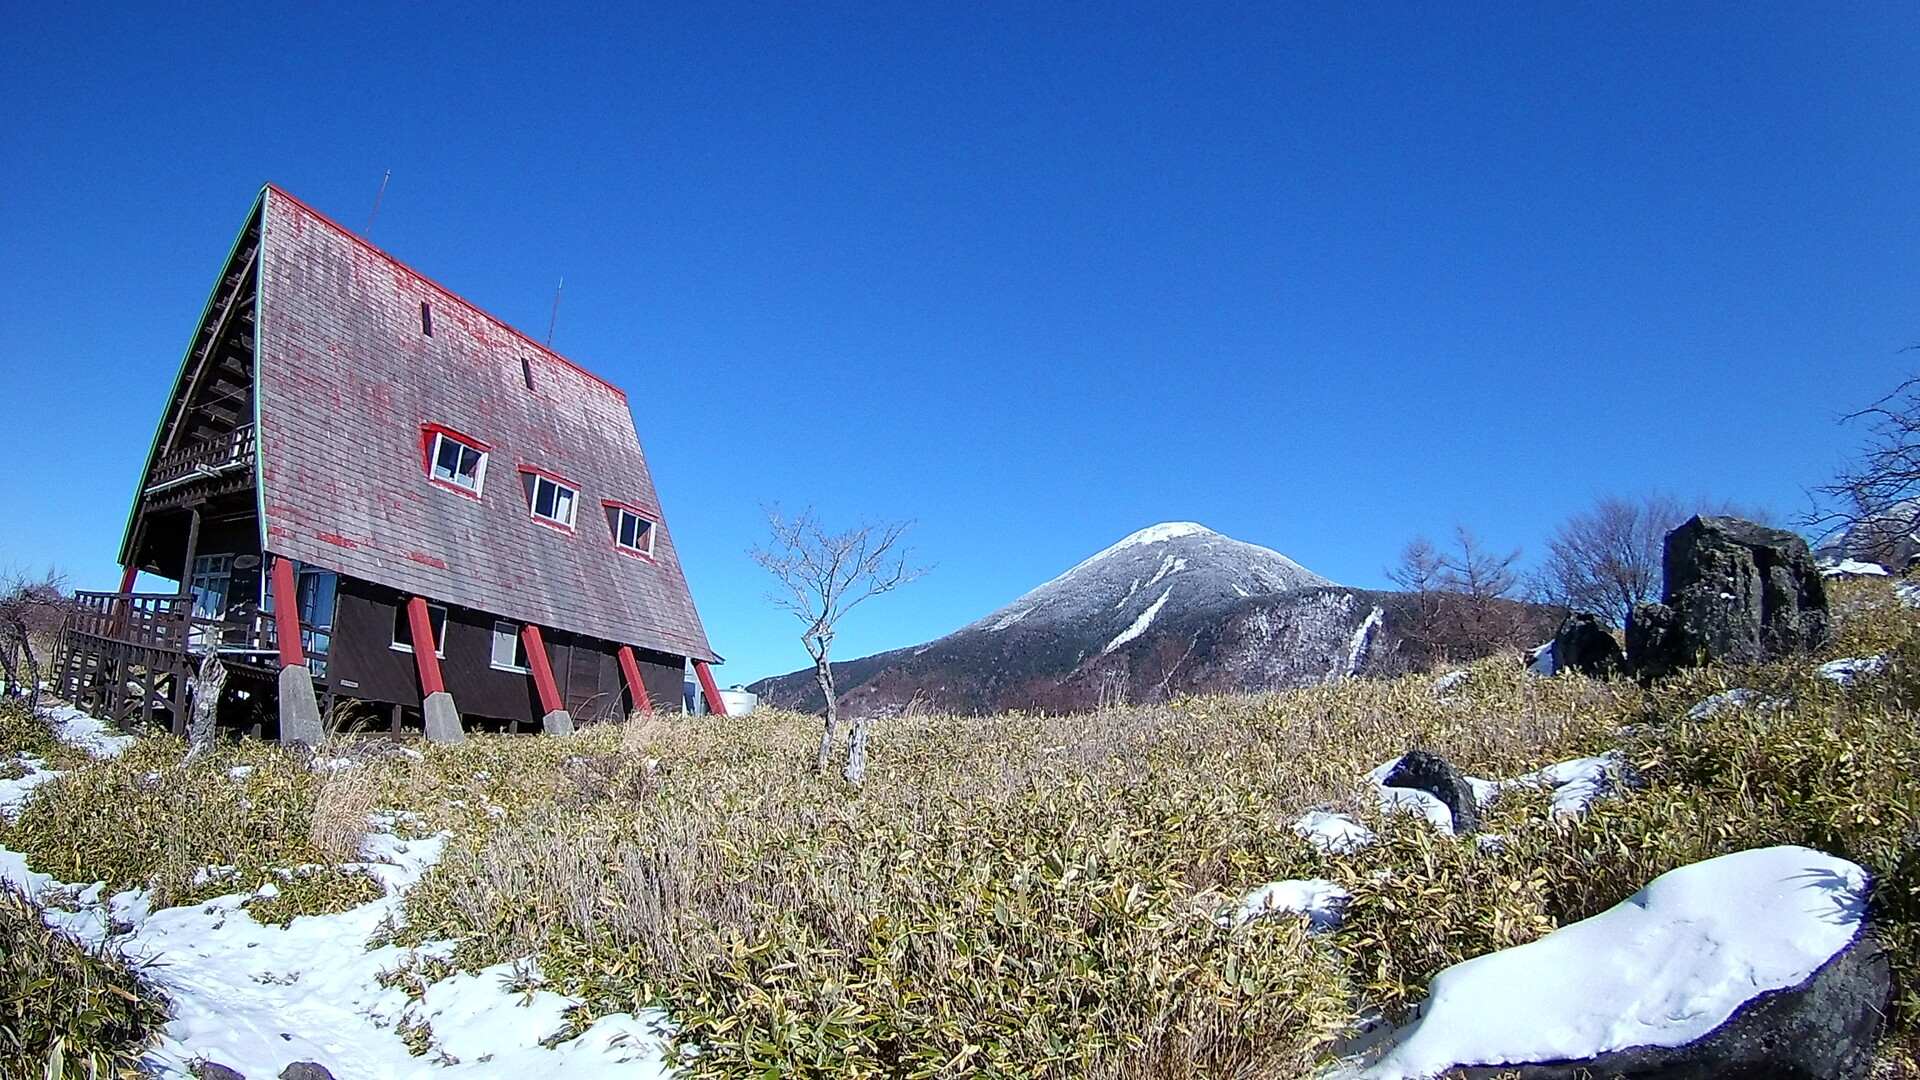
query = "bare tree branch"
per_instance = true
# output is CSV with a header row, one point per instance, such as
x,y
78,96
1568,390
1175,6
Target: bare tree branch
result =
x,y
823,575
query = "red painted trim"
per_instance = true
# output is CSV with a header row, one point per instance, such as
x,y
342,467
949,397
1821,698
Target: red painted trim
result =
x,y
557,526
636,688
424,646
650,515
714,704
428,431
553,476
126,578
542,670
442,289
652,519
286,612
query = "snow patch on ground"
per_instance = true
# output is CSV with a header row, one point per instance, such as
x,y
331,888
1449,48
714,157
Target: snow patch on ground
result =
x,y
14,793
1540,659
1451,681
1140,624
84,732
257,997
1663,968
1845,672
1851,568
1335,834
1320,900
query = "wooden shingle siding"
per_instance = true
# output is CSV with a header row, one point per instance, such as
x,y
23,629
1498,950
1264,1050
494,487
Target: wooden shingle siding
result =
x,y
346,381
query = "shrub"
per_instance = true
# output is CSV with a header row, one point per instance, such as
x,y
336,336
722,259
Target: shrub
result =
x,y
64,1010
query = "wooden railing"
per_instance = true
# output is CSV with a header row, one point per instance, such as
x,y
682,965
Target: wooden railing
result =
x,y
206,459
165,622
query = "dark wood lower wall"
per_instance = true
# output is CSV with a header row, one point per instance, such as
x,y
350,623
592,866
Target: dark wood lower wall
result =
x,y
364,665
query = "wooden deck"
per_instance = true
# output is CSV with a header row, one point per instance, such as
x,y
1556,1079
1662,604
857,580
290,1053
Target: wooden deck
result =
x,y
127,657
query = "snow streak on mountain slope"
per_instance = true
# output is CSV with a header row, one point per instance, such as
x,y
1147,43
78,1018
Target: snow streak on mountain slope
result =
x,y
1201,570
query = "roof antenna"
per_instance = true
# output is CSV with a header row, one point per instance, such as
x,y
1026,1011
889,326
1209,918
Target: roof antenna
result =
x,y
555,317
368,231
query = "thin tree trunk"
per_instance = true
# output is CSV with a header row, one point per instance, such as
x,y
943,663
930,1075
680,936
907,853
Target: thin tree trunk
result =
x,y
823,674
206,684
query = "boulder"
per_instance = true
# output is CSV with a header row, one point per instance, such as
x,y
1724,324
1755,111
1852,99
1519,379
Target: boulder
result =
x,y
1758,964
1425,771
1584,644
305,1070
213,1070
1735,593
1823,1029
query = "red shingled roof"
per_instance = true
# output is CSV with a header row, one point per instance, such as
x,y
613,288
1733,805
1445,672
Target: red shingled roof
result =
x,y
349,384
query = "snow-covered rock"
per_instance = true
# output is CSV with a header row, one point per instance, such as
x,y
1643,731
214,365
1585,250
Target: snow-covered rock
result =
x,y
1577,783
1320,900
1663,969
1723,702
1846,672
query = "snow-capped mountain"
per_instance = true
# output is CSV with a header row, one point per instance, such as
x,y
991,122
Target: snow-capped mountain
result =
x,y
1172,609
1171,569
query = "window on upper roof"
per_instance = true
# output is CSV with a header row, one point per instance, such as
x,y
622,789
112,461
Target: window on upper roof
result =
x,y
426,318
549,499
456,462
631,532
403,629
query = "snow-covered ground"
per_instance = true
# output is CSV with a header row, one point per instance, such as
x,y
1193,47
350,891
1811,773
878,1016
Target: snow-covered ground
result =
x,y
1663,968
257,997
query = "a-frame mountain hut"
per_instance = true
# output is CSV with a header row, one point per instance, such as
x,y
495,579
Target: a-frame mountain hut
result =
x,y
409,470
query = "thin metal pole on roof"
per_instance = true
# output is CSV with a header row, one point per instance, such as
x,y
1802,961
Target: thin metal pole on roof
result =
x,y
368,231
555,317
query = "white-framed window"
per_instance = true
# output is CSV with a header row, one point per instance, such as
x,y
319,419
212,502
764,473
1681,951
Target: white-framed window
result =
x,y
458,463
549,499
509,648
403,629
631,532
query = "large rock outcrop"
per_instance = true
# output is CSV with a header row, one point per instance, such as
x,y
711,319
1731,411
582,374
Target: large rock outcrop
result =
x,y
1735,593
1584,644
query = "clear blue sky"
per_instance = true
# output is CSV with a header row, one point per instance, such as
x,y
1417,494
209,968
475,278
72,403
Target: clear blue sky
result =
x,y
1320,278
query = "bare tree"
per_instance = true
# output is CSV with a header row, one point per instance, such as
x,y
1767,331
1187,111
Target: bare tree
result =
x,y
1467,568
1877,499
1462,594
1609,558
32,610
824,575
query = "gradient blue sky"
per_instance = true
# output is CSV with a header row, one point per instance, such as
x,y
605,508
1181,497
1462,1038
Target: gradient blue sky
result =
x,y
1319,277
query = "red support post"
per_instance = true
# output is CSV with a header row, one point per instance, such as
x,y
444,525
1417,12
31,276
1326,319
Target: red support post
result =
x,y
636,688
286,613
126,578
424,658
707,686
542,669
